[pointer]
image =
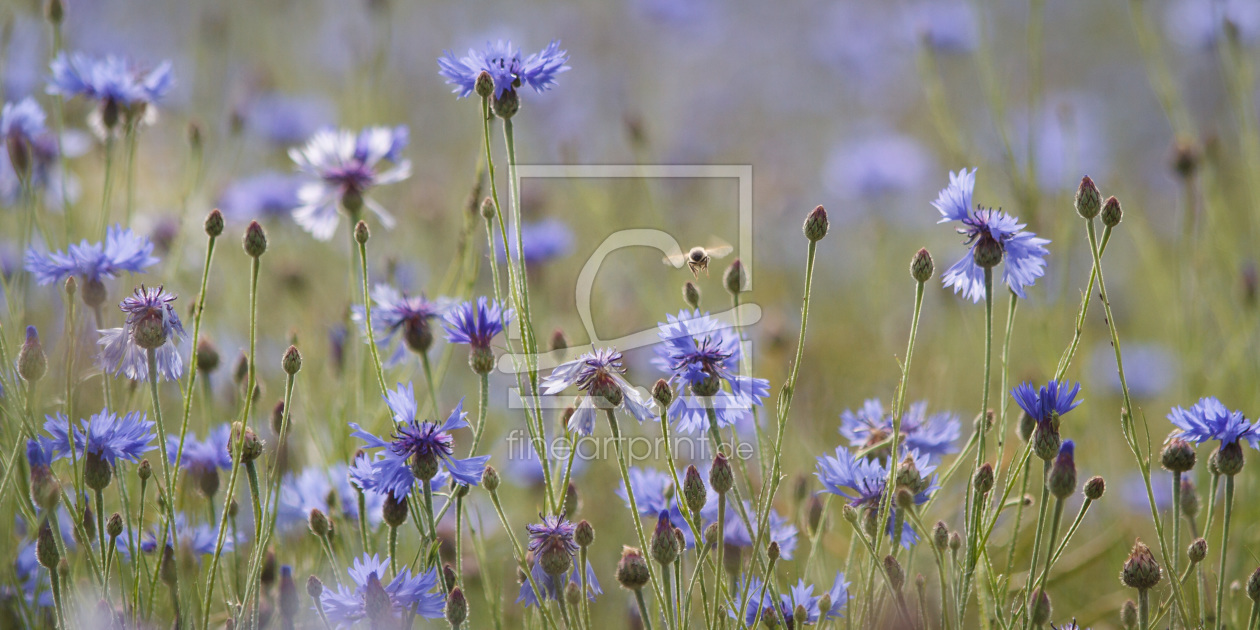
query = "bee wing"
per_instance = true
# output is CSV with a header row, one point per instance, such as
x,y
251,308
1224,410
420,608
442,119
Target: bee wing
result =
x,y
675,260
719,251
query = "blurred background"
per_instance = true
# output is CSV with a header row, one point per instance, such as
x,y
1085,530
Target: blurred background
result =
x,y
861,107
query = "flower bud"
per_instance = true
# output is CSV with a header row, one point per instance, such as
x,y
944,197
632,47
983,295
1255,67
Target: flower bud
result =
x,y
250,447
734,278
1178,455
96,471
214,223
481,360
490,479
1027,425
255,240
55,11
88,525
94,293
114,526
449,579
982,481
1111,213
664,546
904,499
484,84
907,474
1046,440
1062,478
456,607
849,513
571,499
394,511
1129,615
207,355
1088,199
318,523
632,569
168,572
694,492
1141,571
814,514
1253,586
662,393
921,266
772,551
32,363
691,294
507,104
584,533
1039,608
487,208
1230,459
721,478
288,595
955,541
314,587
425,465
1197,550
711,534
361,233
1094,488
267,575
144,470
896,576
1189,499
46,547
376,602
816,225
292,361
940,535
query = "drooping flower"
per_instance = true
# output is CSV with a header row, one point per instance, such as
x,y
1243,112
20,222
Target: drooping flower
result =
x,y
401,322
1053,400
325,489
373,599
932,435
122,251
862,480
699,351
151,324
505,65
551,546
1209,419
123,91
105,435
601,375
266,194
993,237
418,451
342,168
760,603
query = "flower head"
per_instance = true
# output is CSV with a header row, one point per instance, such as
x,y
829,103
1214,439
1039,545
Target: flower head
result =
x,y
106,435
22,121
1209,419
372,598
325,489
263,195
200,539
30,151
760,603
122,250
932,435
541,241
551,546
417,452
342,168
505,65
110,79
862,480
704,353
993,236
1052,400
477,323
601,375
201,456
151,324
397,316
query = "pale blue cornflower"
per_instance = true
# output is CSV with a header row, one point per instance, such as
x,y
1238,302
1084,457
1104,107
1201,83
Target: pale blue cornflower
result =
x,y
123,91
933,435
704,354
862,480
1209,419
476,323
105,435
31,156
601,375
416,447
202,457
401,321
33,577
993,237
151,324
505,65
341,168
876,168
267,194
285,118
1049,402
553,536
779,528
761,603
325,489
383,604
1202,23
122,251
21,123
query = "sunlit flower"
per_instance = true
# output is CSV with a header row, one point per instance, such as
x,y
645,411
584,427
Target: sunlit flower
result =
x,y
862,480
601,375
151,324
931,435
401,322
373,599
703,353
505,65
342,168
1208,419
105,435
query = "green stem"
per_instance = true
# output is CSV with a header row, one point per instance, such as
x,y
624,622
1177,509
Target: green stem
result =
x,y
634,507
192,362
973,529
1144,610
1220,569
367,320
885,503
643,611
393,550
428,379
107,186
519,554
166,462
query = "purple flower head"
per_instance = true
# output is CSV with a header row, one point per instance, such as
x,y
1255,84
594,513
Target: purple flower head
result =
x,y
266,194
541,241
1208,419
22,121
108,80
341,168
122,250
761,603
861,480
932,435
505,65
477,323
202,456
201,539
1023,252
151,324
406,594
401,321
39,453
554,535
1202,23
414,444
105,435
553,587
704,353
325,489
600,374
1055,399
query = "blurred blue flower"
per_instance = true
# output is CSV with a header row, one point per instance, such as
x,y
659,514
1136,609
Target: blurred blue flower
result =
x,y
877,166
1149,368
735,533
1069,136
524,469
267,194
476,324
110,79
760,602
318,488
202,456
656,492
861,480
551,585
401,321
286,119
37,151
1208,419
541,241
108,436
1024,253
1201,23
427,442
704,353
36,586
945,25
22,121
406,594
505,65
1054,399
123,350
600,374
201,539
932,435
341,168
122,250
1134,491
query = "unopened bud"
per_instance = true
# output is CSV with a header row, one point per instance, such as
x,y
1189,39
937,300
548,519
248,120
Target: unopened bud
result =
x,y
663,393
1129,615
691,294
484,84
1141,571
487,208
734,277
318,523
664,546
921,266
255,240
694,492
816,225
1040,608
982,481
314,587
1094,488
721,478
1112,215
1197,550
632,569
940,535
456,607
1062,477
214,223
361,233
584,533
32,363
490,479
1088,199
896,576
292,361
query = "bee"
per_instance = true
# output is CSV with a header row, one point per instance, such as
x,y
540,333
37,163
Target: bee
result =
x,y
697,259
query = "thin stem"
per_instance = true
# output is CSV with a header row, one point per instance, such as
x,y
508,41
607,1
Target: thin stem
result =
x,y
108,184
428,379
166,462
192,362
1144,610
634,507
643,612
973,529
1176,521
1220,569
367,320
519,554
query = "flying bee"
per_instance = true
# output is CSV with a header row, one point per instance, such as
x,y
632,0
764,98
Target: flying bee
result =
x,y
697,259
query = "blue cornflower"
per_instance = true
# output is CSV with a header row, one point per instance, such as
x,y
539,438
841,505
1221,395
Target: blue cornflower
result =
x,y
122,250
505,65
1051,401
760,603
397,316
151,324
111,79
1202,23
376,601
781,530
32,153
876,168
1209,419
476,324
861,480
326,489
285,119
200,539
551,546
417,452
541,241
202,457
105,435
932,435
341,168
263,195
654,492
704,353
552,586
600,374
36,587
21,124
993,236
